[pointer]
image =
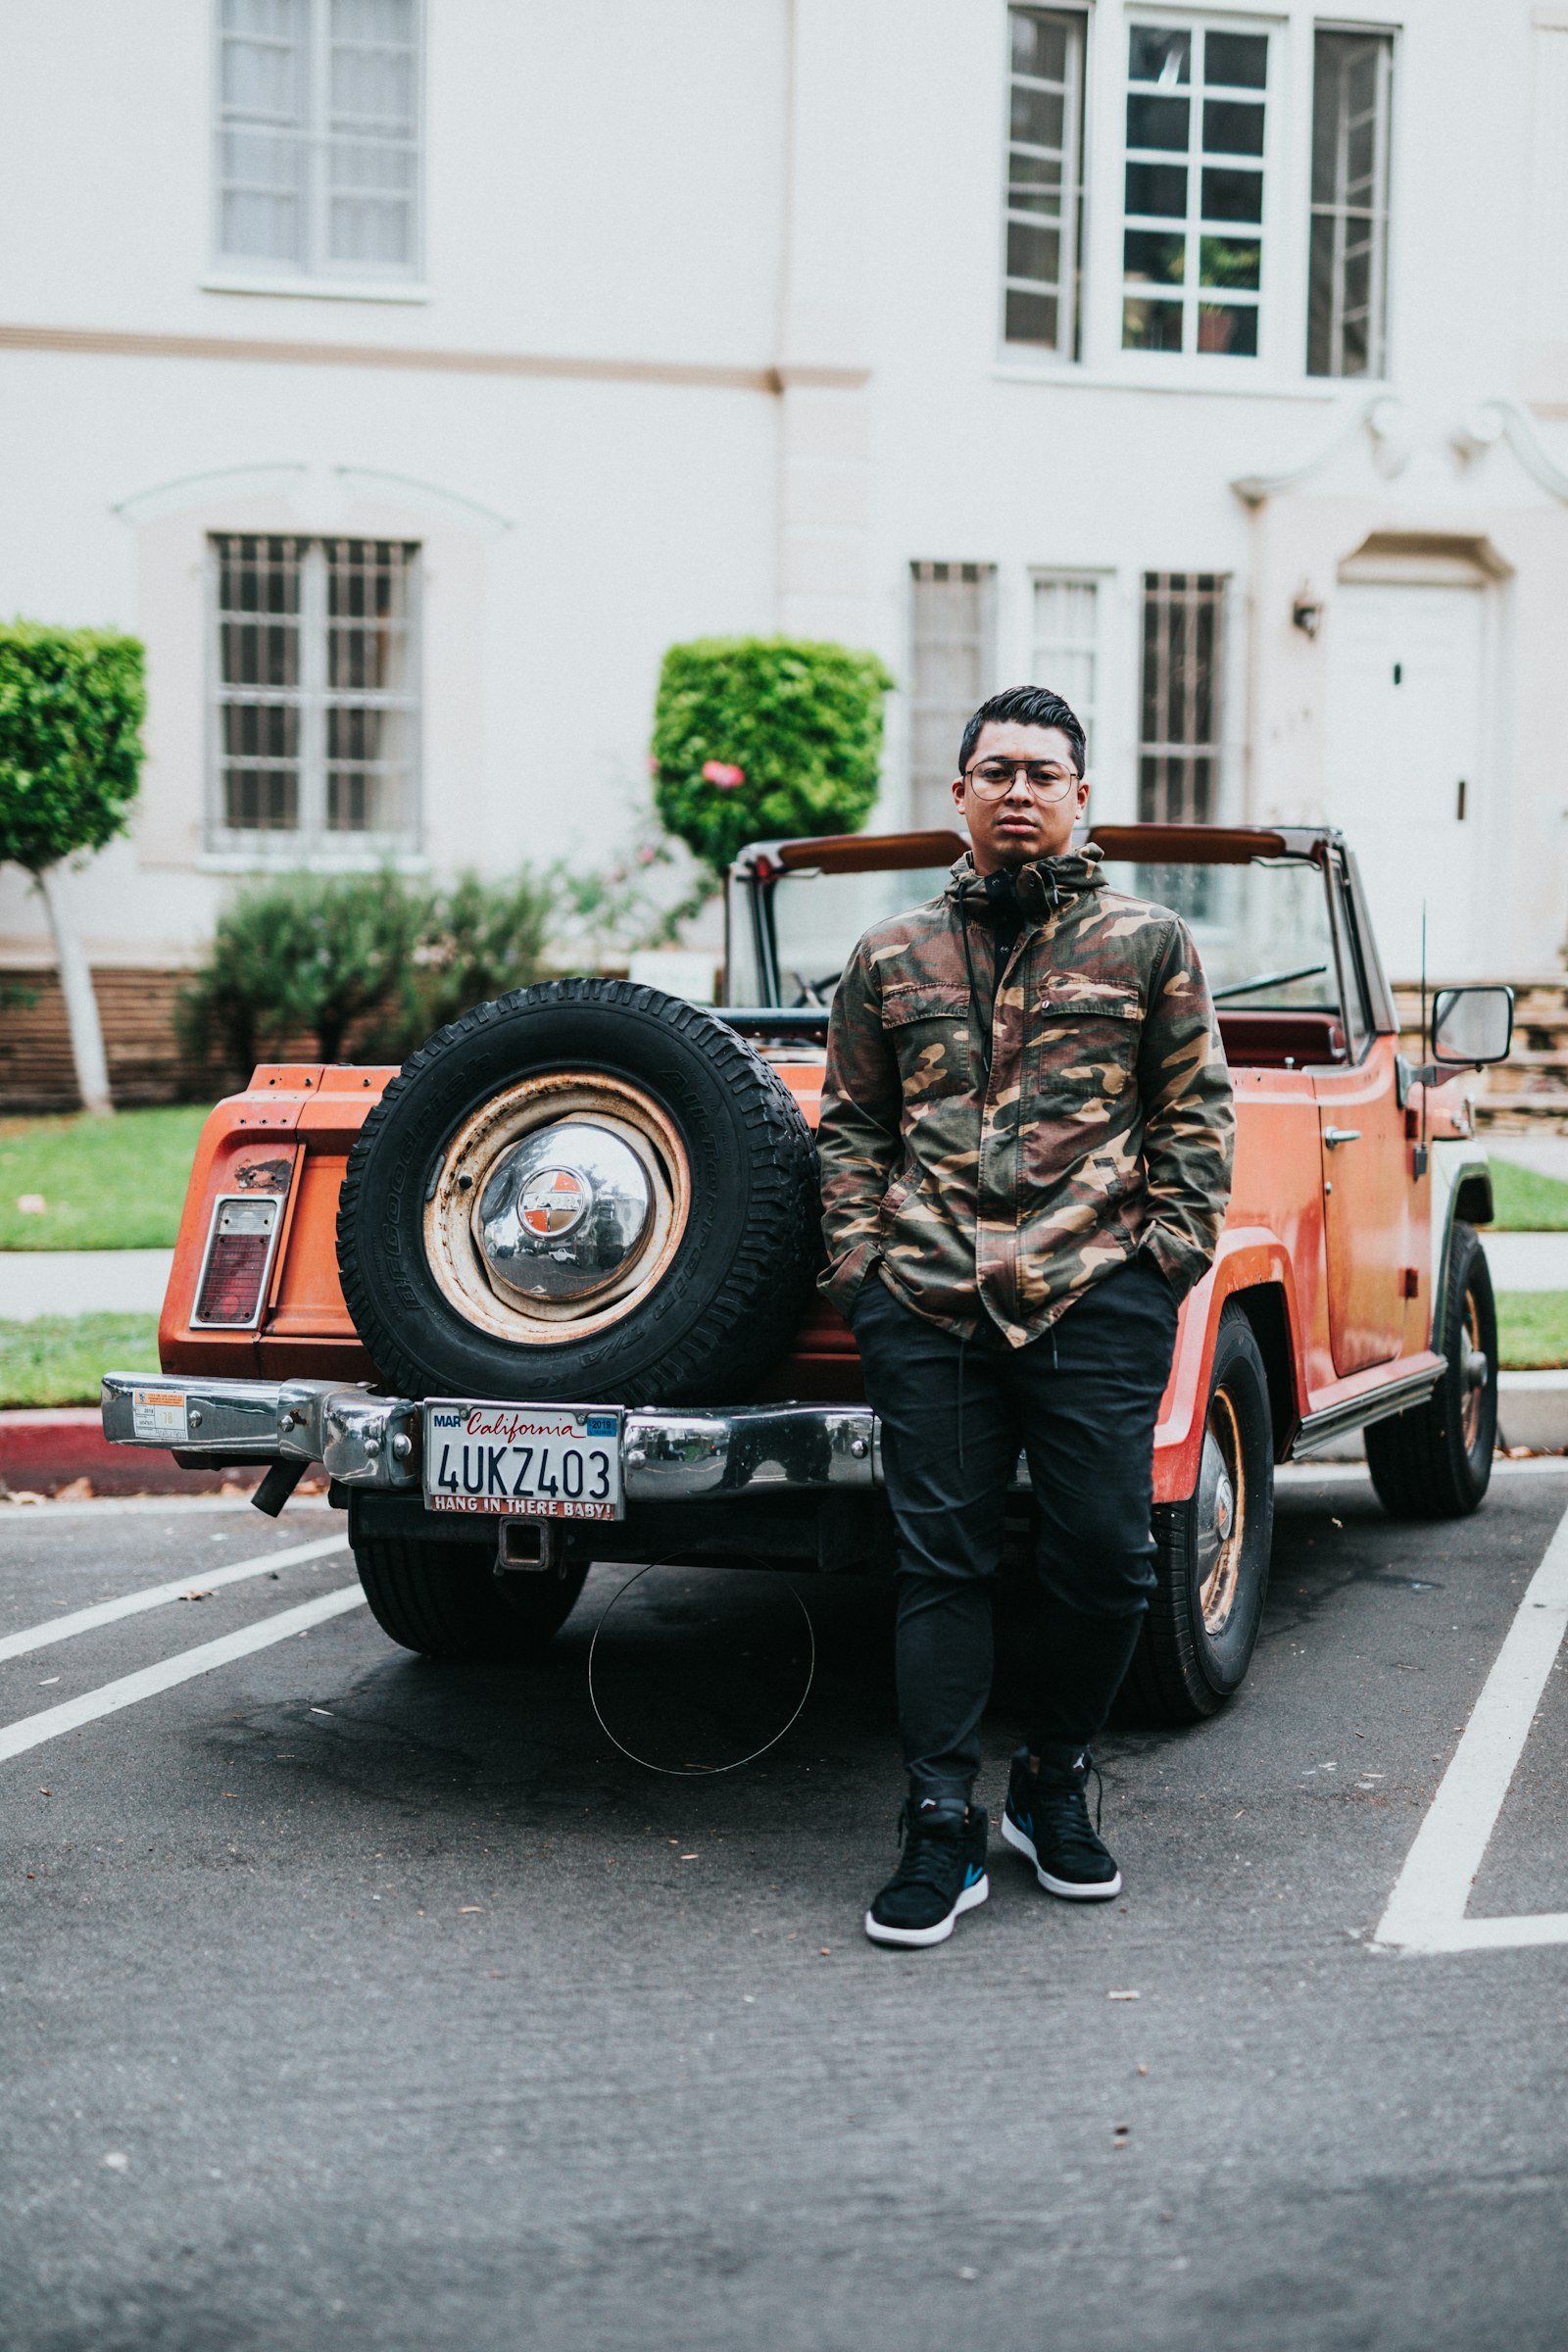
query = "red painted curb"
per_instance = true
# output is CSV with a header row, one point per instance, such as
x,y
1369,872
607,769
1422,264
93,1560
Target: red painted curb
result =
x,y
43,1451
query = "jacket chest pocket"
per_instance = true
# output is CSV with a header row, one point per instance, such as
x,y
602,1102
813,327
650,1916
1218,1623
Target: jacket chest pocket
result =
x,y
1087,1035
928,1029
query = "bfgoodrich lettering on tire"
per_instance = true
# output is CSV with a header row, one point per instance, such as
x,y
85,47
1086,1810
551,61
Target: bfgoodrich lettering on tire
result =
x,y
1204,1619
584,1191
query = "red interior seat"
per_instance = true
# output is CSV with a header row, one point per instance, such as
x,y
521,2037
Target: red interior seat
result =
x,y
1281,1040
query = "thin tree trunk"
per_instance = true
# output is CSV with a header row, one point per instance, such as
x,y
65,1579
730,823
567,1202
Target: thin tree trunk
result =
x,y
76,986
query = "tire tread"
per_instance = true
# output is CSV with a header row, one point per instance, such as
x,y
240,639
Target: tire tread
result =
x,y
432,1599
1419,1464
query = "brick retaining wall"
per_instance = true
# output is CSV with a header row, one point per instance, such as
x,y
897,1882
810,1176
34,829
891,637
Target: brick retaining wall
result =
x,y
137,1007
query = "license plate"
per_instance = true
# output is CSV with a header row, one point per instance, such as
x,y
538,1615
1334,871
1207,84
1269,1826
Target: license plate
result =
x,y
526,1461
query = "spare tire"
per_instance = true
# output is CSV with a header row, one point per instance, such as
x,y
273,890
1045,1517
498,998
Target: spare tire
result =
x,y
585,1192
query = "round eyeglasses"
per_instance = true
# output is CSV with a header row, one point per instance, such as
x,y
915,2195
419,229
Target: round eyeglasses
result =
x,y
994,779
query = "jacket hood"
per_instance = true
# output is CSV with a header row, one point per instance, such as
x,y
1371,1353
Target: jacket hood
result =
x,y
1043,886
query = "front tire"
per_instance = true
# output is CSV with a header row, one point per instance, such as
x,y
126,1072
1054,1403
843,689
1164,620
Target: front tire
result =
x,y
1204,1619
1435,1462
445,1601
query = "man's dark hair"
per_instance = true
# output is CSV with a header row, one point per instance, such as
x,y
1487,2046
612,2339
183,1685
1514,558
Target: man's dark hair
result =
x,y
1026,706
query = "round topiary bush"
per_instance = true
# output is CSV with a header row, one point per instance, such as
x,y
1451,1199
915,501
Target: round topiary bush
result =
x,y
761,737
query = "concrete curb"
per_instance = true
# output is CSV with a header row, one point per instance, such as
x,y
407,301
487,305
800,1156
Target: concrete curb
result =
x,y
1532,1411
45,1449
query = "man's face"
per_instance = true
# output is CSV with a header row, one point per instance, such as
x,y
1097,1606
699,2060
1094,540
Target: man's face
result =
x,y
1009,823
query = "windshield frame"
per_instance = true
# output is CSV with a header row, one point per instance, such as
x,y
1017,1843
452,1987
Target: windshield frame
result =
x,y
749,910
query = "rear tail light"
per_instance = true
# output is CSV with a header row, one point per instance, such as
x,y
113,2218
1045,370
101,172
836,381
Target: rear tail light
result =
x,y
240,1243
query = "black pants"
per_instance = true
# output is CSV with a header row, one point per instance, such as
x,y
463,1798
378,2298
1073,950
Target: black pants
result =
x,y
1082,1402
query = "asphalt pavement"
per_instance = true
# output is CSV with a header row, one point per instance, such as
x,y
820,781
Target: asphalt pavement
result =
x,y
358,2001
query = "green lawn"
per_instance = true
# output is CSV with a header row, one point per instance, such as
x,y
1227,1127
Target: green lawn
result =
x,y
1527,1203
59,1360
106,1184
1532,1329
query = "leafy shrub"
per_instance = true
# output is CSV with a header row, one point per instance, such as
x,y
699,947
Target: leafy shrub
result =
x,y
310,955
365,962
72,704
480,939
761,736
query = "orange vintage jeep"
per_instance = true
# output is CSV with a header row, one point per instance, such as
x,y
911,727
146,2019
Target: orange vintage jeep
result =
x,y
546,1295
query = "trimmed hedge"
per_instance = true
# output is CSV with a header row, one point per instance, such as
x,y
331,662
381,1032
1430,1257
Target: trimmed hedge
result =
x,y
72,703
758,737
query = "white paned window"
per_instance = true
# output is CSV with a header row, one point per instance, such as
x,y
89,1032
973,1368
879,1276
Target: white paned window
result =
x,y
1045,179
1181,712
1066,644
1193,235
1346,301
316,694
318,136
953,663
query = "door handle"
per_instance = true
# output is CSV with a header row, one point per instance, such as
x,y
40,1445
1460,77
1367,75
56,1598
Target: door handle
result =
x,y
1333,1137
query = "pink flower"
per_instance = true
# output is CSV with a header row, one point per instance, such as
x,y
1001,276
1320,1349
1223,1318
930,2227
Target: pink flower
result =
x,y
719,772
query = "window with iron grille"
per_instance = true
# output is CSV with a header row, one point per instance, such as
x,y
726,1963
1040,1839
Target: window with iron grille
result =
x,y
316,694
1179,720
1045,179
1348,292
953,663
1067,643
1192,237
318,136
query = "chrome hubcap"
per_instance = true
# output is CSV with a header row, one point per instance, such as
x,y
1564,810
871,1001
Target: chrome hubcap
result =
x,y
563,1212
557,1207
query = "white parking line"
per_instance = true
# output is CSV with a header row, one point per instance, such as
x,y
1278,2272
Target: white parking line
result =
x,y
154,1597
33,1730
1426,1911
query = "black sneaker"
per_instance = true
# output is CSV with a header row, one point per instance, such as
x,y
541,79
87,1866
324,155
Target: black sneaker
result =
x,y
1045,1816
940,1872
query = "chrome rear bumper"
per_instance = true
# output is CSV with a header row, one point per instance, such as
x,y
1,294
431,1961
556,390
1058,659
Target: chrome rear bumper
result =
x,y
366,1440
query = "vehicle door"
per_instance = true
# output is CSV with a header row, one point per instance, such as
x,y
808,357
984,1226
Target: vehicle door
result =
x,y
1361,1139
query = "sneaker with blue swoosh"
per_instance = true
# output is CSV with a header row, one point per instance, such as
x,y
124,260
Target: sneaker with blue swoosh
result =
x,y
1047,1818
940,1872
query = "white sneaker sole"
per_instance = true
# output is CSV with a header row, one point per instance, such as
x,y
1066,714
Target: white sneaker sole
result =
x,y
1069,1889
967,1901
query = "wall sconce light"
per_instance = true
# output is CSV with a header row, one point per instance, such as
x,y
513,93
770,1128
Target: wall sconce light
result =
x,y
1306,613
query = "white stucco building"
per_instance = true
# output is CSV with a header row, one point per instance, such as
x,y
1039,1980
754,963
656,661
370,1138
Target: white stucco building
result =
x,y
408,375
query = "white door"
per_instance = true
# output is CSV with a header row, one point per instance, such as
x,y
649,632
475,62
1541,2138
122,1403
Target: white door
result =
x,y
1402,756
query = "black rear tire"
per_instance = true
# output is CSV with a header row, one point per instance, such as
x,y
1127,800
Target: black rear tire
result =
x,y
730,1299
1435,1462
1204,1619
445,1601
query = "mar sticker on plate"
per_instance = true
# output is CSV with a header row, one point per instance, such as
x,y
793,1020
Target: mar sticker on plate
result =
x,y
533,1462
159,1413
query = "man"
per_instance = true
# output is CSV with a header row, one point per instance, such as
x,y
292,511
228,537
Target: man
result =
x,y
1026,1150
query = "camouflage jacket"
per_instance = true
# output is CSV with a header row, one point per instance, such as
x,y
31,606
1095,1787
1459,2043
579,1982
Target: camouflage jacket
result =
x,y
1104,1124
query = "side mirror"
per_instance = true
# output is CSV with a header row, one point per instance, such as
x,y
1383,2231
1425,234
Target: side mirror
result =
x,y
1472,1025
